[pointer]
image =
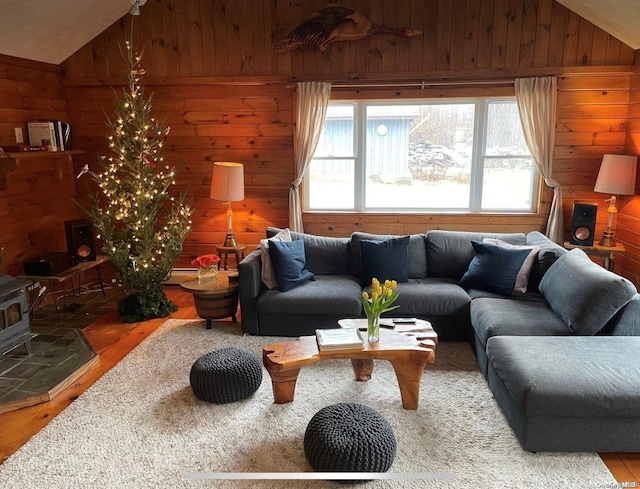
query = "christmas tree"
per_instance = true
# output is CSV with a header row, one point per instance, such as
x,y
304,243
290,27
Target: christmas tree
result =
x,y
141,226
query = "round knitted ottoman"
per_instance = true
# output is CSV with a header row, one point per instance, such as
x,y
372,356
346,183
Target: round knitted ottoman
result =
x,y
349,437
225,375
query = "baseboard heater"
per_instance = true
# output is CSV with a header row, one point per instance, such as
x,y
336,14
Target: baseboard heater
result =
x,y
181,275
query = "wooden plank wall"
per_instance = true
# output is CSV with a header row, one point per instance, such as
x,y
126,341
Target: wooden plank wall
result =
x,y
599,115
212,69
591,122
249,124
226,38
629,206
37,201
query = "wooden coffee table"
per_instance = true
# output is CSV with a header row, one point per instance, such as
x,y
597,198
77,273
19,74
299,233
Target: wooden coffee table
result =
x,y
408,353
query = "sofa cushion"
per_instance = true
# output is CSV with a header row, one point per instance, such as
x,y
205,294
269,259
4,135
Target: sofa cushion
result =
x,y
334,295
518,296
325,255
494,268
570,377
289,264
432,297
505,317
386,259
266,273
583,294
417,267
547,256
627,321
450,252
522,279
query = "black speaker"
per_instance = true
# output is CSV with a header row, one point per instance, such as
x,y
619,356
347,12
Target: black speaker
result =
x,y
583,223
80,242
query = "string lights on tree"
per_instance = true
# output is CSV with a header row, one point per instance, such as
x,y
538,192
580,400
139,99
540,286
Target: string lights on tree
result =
x,y
142,227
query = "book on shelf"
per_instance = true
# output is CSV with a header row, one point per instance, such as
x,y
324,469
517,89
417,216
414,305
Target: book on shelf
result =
x,y
57,132
339,339
54,135
42,133
63,135
66,135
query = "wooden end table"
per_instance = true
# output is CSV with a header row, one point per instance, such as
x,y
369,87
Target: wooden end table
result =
x,y
407,351
225,251
217,298
606,253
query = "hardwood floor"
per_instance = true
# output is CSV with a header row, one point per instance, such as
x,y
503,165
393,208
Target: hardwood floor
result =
x,y
113,340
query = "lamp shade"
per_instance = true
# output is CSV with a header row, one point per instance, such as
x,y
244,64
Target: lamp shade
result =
x,y
227,181
617,175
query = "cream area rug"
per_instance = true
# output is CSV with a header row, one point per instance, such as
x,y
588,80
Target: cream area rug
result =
x,y
140,426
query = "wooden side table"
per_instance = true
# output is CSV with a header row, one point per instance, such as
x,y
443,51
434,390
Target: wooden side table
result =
x,y
225,251
69,274
217,298
606,253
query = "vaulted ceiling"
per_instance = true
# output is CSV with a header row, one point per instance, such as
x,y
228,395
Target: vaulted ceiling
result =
x,y
52,30
620,18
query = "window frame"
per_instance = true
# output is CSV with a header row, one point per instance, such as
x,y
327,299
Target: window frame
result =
x,y
478,158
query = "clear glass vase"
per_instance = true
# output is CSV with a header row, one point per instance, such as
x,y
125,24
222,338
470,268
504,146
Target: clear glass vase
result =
x,y
373,328
208,274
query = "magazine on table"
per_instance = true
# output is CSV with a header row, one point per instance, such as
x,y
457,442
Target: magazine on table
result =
x,y
339,339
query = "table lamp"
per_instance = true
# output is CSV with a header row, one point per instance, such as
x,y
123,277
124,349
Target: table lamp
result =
x,y
227,185
617,176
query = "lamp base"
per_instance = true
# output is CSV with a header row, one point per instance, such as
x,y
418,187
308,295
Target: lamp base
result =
x,y
607,241
230,240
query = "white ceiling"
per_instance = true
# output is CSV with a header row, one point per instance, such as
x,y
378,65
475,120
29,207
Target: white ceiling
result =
x,y
620,18
52,30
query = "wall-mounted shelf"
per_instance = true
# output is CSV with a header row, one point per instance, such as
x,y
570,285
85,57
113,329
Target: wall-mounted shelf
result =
x,y
9,161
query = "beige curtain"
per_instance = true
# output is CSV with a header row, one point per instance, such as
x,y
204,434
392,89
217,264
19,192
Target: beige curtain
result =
x,y
313,99
536,99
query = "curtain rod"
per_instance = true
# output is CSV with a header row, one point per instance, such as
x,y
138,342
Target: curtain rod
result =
x,y
423,84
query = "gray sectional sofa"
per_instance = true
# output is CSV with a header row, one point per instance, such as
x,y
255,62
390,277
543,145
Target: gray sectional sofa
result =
x,y
548,353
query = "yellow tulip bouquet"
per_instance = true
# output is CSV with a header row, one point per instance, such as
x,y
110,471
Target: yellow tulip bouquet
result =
x,y
380,301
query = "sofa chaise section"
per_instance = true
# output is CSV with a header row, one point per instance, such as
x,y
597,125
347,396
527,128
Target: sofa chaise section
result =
x,y
570,393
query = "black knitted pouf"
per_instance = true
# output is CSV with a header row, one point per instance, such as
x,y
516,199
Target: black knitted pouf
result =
x,y
226,375
349,437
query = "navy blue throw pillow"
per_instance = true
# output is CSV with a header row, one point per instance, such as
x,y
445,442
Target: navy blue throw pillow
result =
x,y
289,263
386,259
493,269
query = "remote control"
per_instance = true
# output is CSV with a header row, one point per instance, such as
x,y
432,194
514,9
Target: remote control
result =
x,y
404,320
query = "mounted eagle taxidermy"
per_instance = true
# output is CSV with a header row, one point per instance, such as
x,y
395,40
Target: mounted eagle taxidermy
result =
x,y
335,23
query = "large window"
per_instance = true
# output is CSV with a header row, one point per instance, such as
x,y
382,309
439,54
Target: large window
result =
x,y
462,156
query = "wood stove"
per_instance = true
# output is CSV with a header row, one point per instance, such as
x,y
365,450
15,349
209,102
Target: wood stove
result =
x,y
15,326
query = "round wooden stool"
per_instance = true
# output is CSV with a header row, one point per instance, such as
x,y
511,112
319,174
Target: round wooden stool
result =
x,y
225,251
